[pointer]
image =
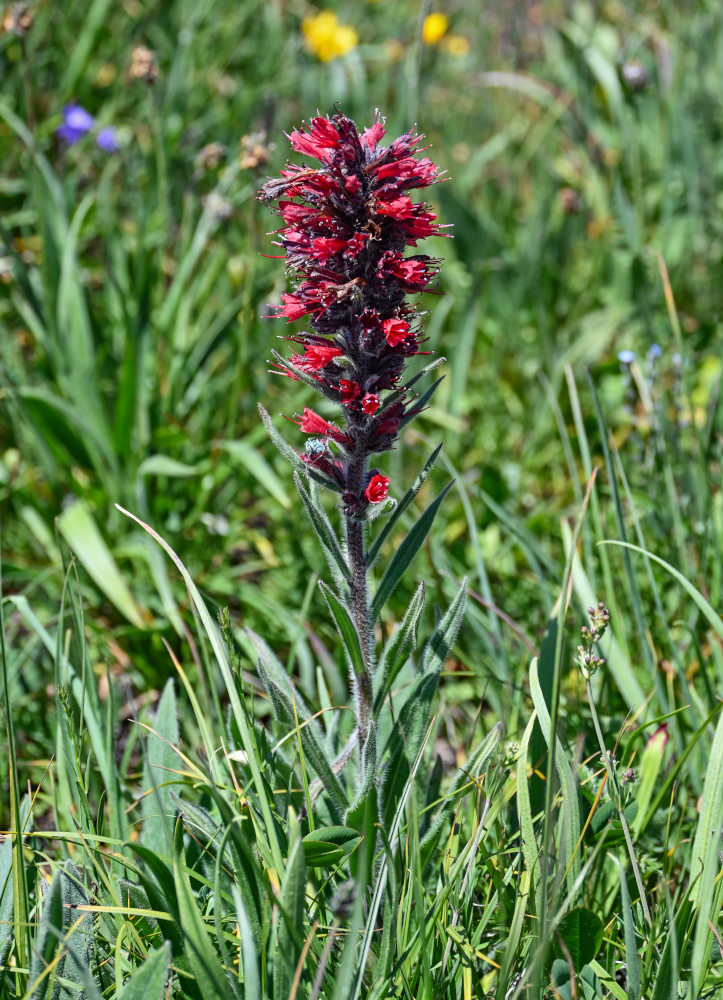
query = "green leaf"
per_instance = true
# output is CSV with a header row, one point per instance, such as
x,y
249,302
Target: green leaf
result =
x,y
291,923
406,500
46,941
288,708
201,954
706,608
148,982
581,931
82,534
346,628
158,773
164,465
571,817
260,469
399,648
327,845
238,707
324,531
405,553
445,634
632,958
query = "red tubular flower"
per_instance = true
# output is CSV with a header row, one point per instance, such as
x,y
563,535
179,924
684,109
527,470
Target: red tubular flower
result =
x,y
312,423
349,391
395,330
370,404
347,223
377,489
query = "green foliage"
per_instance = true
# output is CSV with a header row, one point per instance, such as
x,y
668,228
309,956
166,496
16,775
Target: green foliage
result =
x,y
200,821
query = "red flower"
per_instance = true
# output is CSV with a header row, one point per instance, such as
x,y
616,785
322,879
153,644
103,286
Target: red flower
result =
x,y
409,271
312,423
370,404
293,308
395,330
349,391
316,357
377,489
321,138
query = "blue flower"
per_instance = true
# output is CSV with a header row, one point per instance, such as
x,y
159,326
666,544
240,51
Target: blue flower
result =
x,y
626,357
76,123
107,139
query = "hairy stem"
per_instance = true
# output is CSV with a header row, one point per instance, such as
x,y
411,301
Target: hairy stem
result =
x,y
359,595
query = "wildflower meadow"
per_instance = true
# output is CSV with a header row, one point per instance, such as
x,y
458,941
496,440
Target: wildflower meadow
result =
x,y
361,510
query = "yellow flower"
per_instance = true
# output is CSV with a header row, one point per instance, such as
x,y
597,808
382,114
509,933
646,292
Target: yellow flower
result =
x,y
434,27
456,45
326,38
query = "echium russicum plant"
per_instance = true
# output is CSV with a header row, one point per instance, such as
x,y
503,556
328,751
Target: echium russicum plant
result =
x,y
347,224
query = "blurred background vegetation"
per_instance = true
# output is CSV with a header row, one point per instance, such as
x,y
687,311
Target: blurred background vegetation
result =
x,y
583,148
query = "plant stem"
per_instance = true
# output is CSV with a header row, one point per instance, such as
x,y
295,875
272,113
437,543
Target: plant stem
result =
x,y
612,778
359,595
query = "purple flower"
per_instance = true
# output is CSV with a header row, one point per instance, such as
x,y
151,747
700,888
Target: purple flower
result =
x,y
107,139
76,123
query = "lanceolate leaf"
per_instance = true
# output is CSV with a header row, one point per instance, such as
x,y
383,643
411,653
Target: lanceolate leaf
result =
x,y
201,954
445,634
399,648
324,530
158,773
346,627
148,982
405,553
283,700
570,807
402,506
291,921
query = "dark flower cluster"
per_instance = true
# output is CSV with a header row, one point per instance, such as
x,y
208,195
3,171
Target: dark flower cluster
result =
x,y
347,224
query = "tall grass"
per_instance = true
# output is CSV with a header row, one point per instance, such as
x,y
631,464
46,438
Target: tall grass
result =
x,y
166,834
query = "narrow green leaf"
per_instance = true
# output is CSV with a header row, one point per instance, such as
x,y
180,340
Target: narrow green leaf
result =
x,y
445,634
201,954
406,500
324,531
148,982
238,708
256,464
705,607
571,822
164,465
346,628
405,553
284,700
158,773
705,862
291,923
632,958
46,941
79,529
399,648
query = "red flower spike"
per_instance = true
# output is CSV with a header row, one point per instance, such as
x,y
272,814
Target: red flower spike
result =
x,y
346,222
377,489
